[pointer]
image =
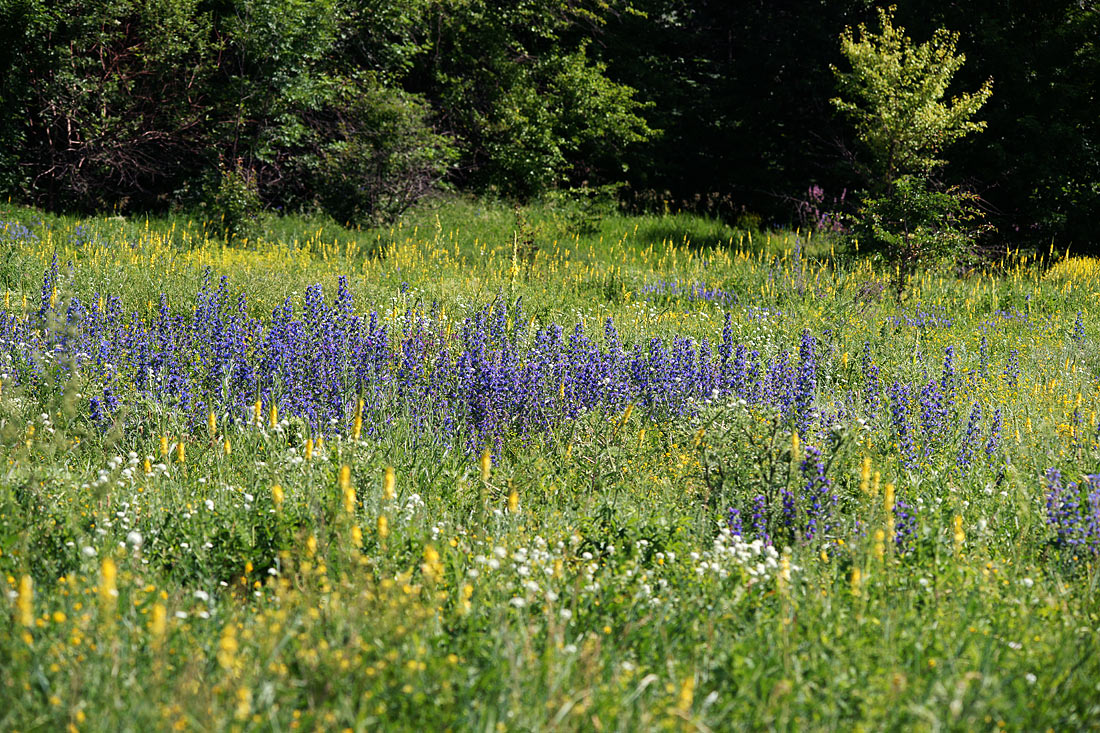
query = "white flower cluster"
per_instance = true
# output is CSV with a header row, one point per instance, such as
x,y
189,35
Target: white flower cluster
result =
x,y
125,467
730,555
532,569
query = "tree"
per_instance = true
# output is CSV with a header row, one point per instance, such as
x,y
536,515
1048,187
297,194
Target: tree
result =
x,y
104,100
380,154
895,95
514,83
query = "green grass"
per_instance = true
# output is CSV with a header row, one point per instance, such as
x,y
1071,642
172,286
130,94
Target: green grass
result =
x,y
579,585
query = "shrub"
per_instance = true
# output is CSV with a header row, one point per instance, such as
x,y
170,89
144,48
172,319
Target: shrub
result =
x,y
233,205
384,157
918,225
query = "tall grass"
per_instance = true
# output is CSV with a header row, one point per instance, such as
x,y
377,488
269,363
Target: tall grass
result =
x,y
861,533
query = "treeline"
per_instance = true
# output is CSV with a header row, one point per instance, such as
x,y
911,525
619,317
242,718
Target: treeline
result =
x,y
360,107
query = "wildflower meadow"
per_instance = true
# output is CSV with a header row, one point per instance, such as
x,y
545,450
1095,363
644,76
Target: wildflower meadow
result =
x,y
484,471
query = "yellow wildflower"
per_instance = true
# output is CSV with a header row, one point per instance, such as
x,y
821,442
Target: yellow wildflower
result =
x,y
432,567
24,602
486,464
158,621
108,589
389,481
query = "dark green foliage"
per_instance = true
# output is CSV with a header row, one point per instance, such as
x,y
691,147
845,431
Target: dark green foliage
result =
x,y
1038,163
914,225
107,98
234,204
722,107
380,156
516,84
740,92
133,103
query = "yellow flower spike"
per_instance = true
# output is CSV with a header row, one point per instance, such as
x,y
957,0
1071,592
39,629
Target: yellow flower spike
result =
x,y
389,482
888,507
273,415
486,464
311,546
108,579
513,502
876,480
147,467
960,536
357,426
865,475
158,621
432,567
783,577
309,449
857,581
181,452
796,448
356,536
164,446
227,648
258,412
383,527
697,440
212,423
687,695
226,447
244,703
880,545
277,495
24,602
349,498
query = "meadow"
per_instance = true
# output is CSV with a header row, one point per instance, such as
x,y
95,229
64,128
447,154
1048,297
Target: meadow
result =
x,y
493,469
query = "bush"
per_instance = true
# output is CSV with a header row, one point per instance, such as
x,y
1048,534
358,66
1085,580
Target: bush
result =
x,y
384,158
915,224
233,206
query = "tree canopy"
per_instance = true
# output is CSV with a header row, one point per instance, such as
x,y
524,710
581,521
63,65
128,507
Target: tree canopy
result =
x,y
894,94
358,107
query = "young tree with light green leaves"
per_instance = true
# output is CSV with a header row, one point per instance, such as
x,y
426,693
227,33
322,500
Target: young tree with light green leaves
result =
x,y
895,95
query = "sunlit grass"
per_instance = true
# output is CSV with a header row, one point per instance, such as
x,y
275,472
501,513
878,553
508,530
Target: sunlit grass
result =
x,y
262,570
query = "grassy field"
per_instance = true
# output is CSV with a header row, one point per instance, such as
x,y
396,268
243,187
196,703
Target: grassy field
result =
x,y
527,470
